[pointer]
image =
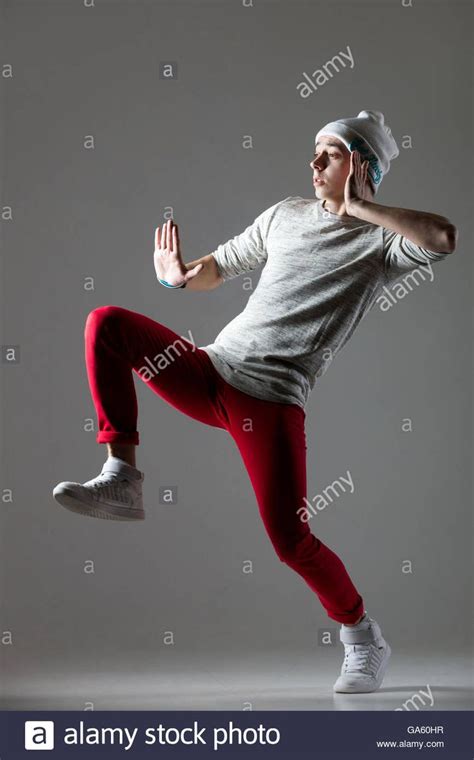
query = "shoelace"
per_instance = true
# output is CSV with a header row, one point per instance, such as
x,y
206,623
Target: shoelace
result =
x,y
107,486
361,658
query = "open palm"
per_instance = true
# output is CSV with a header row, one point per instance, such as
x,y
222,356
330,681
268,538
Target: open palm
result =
x,y
357,185
167,259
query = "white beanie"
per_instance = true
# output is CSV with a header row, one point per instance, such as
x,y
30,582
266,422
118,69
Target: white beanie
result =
x,y
368,134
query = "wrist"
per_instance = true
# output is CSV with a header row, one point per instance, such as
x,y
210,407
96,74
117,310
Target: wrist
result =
x,y
356,208
172,287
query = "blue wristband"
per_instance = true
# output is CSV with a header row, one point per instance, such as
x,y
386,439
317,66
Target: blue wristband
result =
x,y
167,285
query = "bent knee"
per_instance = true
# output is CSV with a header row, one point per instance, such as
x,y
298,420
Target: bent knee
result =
x,y
100,316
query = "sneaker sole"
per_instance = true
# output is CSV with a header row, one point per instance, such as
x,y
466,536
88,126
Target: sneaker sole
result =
x,y
69,500
378,682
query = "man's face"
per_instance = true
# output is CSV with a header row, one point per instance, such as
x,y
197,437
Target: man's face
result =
x,y
331,163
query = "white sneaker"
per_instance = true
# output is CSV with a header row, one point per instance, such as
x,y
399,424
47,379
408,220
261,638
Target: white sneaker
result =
x,y
366,657
115,494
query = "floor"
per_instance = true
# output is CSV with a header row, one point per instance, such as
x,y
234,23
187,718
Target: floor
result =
x,y
241,681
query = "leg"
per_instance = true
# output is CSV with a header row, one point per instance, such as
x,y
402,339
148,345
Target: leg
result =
x,y
125,451
119,341
271,439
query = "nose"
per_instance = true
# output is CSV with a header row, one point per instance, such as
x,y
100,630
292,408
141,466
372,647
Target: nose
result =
x,y
317,163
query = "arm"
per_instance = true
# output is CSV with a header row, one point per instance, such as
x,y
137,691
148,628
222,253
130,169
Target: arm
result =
x,y
429,231
241,253
208,277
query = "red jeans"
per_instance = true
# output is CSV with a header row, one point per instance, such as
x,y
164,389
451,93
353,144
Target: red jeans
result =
x,y
270,436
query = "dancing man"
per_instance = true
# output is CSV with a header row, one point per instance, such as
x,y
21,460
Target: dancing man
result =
x,y
327,261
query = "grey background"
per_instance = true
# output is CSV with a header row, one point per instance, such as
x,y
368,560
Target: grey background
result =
x,y
78,213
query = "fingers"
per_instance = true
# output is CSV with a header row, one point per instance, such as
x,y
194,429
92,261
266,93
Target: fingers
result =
x,y
167,236
160,237
175,238
193,272
361,168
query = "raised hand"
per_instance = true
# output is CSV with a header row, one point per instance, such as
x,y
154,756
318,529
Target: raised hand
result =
x,y
357,185
167,257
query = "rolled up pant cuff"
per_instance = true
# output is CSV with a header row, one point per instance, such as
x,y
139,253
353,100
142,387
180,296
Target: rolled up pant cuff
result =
x,y
349,617
113,436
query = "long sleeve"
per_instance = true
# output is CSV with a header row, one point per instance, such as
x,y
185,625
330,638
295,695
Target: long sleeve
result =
x,y
401,255
247,250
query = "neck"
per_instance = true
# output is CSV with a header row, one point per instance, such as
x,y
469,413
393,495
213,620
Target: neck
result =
x,y
335,207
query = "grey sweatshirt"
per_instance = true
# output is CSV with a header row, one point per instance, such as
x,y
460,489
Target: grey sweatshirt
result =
x,y
322,273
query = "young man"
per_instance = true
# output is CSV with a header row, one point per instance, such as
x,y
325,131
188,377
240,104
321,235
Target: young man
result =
x,y
326,262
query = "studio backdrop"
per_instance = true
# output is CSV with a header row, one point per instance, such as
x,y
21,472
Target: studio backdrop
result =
x,y
115,117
